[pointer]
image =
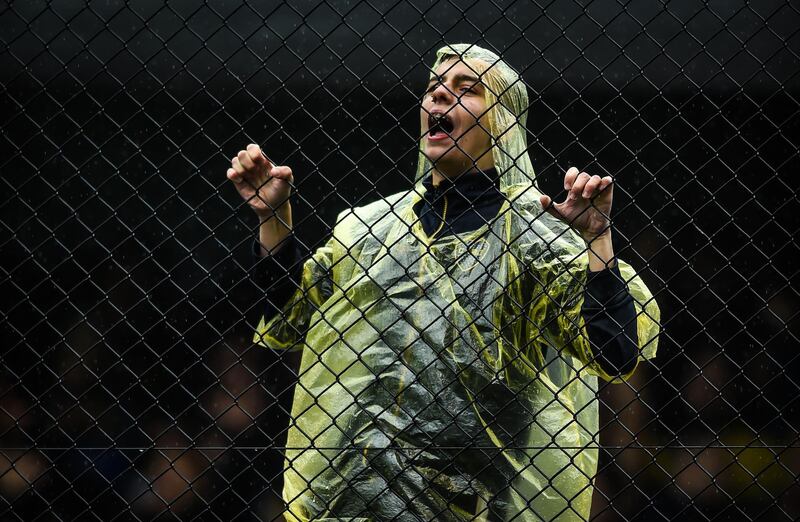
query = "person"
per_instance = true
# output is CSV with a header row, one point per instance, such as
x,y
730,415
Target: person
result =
x,y
451,334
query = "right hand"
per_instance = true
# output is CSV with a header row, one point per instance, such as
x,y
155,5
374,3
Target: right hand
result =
x,y
265,187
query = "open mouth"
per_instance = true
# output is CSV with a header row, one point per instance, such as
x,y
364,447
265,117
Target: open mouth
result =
x,y
439,125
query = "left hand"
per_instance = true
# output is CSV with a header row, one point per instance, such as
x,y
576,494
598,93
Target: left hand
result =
x,y
587,208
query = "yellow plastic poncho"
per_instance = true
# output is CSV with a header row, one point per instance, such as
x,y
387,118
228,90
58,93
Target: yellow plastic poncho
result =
x,y
448,379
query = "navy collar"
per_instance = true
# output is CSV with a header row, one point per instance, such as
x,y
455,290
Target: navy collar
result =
x,y
469,187
460,205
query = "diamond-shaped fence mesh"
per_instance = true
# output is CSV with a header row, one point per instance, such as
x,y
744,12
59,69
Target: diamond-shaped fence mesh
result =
x,y
408,374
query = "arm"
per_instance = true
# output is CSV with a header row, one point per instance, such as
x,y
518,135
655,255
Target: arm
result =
x,y
293,301
609,314
594,323
295,291
266,189
608,311
278,275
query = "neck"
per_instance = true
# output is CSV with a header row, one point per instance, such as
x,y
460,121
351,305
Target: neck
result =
x,y
439,175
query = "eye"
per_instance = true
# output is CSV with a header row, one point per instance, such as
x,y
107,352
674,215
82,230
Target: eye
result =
x,y
433,86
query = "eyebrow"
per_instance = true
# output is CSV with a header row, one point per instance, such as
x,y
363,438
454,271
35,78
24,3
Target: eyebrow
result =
x,y
458,78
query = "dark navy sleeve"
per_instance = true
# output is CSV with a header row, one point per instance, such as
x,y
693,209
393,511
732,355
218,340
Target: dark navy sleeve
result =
x,y
277,275
610,318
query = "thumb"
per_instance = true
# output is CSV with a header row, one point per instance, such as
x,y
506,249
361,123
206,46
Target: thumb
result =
x,y
548,206
282,172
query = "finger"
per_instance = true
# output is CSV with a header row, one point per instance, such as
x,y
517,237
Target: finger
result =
x,y
606,182
591,187
578,186
256,156
569,177
233,175
237,166
245,160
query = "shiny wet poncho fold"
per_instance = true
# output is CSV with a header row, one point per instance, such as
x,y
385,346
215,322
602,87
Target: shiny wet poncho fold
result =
x,y
445,379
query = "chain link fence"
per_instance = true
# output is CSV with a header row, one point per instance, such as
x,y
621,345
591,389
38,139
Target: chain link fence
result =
x,y
131,387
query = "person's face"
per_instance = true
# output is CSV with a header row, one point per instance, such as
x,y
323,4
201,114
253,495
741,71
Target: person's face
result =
x,y
454,123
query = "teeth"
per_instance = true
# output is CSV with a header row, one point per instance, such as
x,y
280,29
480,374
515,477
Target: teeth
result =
x,y
446,124
439,121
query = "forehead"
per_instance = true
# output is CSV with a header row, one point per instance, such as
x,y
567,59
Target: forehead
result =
x,y
455,67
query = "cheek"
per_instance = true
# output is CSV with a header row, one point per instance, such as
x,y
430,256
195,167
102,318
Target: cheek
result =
x,y
471,109
480,127
424,110
475,113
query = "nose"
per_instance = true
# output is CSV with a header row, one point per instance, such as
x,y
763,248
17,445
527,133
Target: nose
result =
x,y
441,94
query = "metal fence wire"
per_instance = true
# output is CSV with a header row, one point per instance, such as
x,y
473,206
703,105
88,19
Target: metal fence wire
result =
x,y
405,378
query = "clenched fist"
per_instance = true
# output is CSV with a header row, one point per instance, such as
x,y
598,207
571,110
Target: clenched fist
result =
x,y
587,209
588,204
264,186
266,189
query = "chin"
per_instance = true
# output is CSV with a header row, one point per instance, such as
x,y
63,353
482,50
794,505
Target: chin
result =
x,y
444,152
439,158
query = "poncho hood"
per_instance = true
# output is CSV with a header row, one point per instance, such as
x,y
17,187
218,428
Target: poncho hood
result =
x,y
507,101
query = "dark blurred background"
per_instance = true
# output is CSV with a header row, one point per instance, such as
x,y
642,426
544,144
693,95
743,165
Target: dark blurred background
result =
x,y
130,388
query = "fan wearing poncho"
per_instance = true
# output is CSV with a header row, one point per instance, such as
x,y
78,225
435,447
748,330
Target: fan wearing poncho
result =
x,y
446,370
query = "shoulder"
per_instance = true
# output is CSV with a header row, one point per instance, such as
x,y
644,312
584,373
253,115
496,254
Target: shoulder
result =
x,y
538,236
371,219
